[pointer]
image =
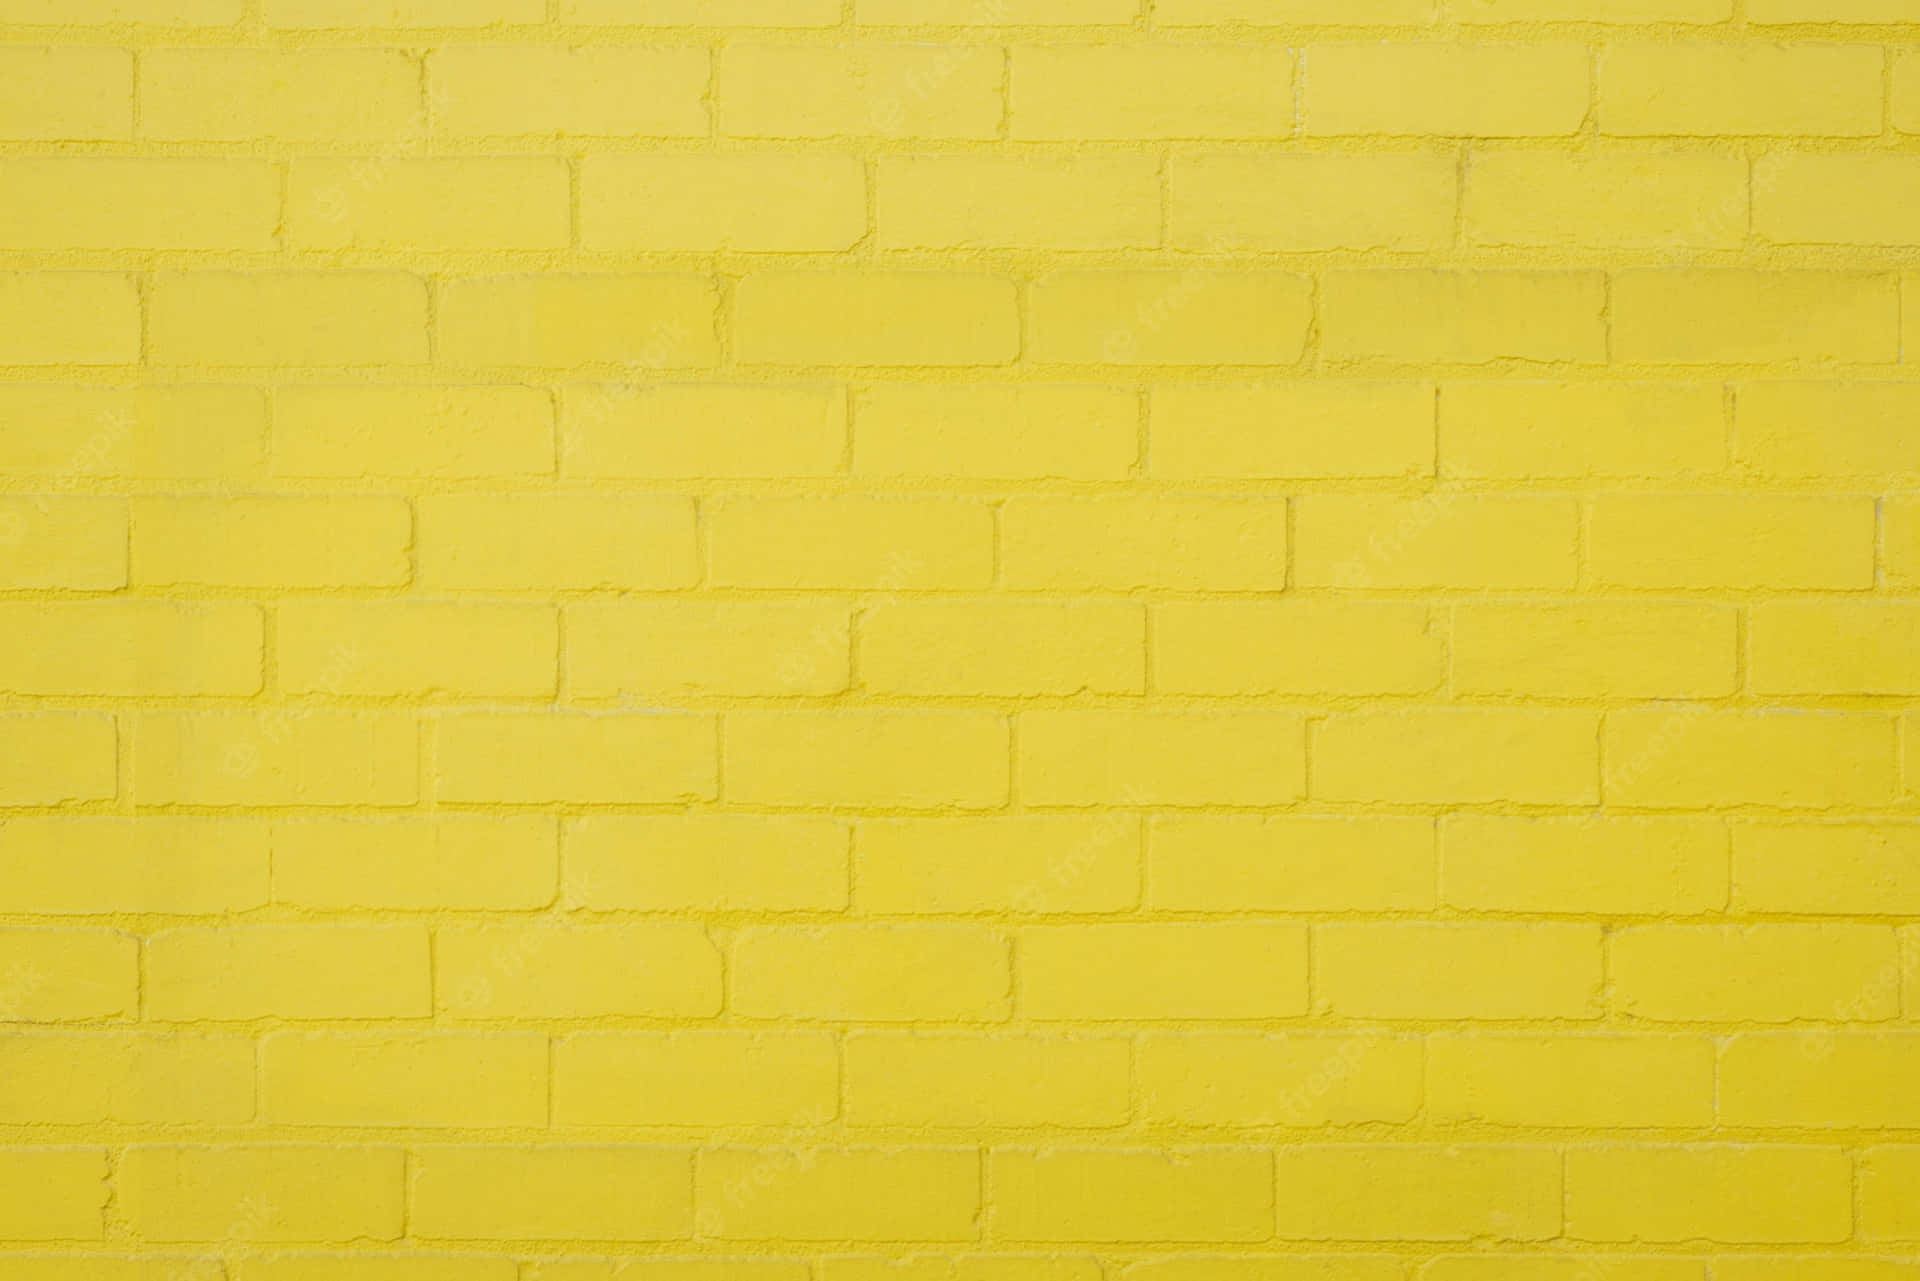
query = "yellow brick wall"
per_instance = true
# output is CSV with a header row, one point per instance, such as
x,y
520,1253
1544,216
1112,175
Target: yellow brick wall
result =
x,y
959,640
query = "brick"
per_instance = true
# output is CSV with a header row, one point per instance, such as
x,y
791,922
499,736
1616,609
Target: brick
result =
x,y
1159,317
1458,755
1900,540
1296,647
442,432
1417,1192
67,975
1005,13
657,320
240,95
1138,972
1026,202
1782,759
1202,13
148,865
1196,1194
887,544
696,1078
875,318
72,94
1904,103
1307,203
1755,973
1332,430
412,650
1820,648
77,544
1568,1267
405,1079
1021,863
1625,866
1863,199
1074,92
376,1267
1699,12
1819,1079
280,757
74,202
1125,543
548,541
707,863
488,91
867,90
262,1192
560,1192
273,318
1620,200
678,648
661,970
160,432
871,973
95,1267
1464,317
416,864
1215,863
1832,868
962,1080
401,13
1745,541
131,649
1841,1268
1453,89
1024,432
976,1267
1647,649
1525,430
1419,970
1728,88
1888,1210
53,1194
741,203
470,202
1732,316
125,1078
1717,1193
868,758
52,758
1263,1079
226,973
704,13
1560,1081
68,318
838,1194
1123,757
1014,649
611,758
281,540
1819,429
678,431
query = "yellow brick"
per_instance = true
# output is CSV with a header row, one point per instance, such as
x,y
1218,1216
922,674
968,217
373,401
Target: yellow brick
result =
x,y
1421,1192
63,975
701,1078
1215,970
1646,649
1820,648
1846,200
750,202
1211,863
401,13
1201,13
1841,869
1300,647
376,1267
972,202
677,648
1459,89
1156,317
405,1079
545,541
68,94
1023,863
1464,317
1573,1267
1410,970
395,648
1568,1081
500,202
280,1192
1622,200
449,861
1735,316
1458,755
1817,1078
677,431
125,1078
78,544
663,970
1729,540
871,973
1064,92
351,432
94,1267
321,318
1905,101
71,432
53,1194
977,1267
51,758
1739,88
278,541
1196,1194
1001,13
1306,203
1755,973
627,1193
1125,543
1332,430
1720,1193
1123,757
151,864
68,318
1262,1079
305,756
1537,429
1838,1267
1888,1208
235,95
1900,540
883,544
875,318
951,1080
659,320
1012,648
111,203
707,863
1782,759
880,90
839,1194
982,432
1618,11
288,971
868,758
1806,429
639,758
129,648
703,13
1648,866
659,1269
